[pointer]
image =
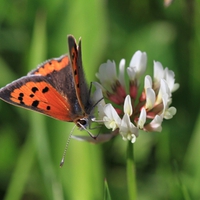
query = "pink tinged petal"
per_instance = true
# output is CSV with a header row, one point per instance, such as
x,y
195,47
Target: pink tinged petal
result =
x,y
143,96
127,129
121,72
133,91
115,98
119,111
120,90
170,112
142,118
150,98
139,62
111,118
155,124
128,106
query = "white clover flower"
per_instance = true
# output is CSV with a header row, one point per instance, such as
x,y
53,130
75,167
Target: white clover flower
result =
x,y
142,118
169,77
107,74
128,106
111,118
98,95
164,91
127,129
155,124
134,108
137,65
121,72
158,74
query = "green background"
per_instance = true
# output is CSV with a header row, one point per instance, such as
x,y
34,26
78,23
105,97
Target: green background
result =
x,y
31,145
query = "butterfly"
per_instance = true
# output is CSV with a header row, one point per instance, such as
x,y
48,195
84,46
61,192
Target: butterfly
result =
x,y
56,88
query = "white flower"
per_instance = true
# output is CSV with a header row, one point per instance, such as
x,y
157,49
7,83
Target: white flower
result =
x,y
121,72
158,73
127,129
142,119
155,124
169,76
169,113
139,109
128,106
98,97
137,65
147,82
111,118
164,91
107,74
150,98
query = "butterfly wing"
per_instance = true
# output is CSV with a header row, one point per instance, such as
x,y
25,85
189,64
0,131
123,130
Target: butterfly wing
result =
x,y
81,86
35,93
55,76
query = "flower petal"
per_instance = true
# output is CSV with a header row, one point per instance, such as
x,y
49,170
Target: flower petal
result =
x,y
127,129
155,124
121,72
111,118
150,98
142,118
128,106
139,62
170,112
107,74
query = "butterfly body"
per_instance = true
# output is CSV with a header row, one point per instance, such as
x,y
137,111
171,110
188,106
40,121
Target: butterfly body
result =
x,y
56,88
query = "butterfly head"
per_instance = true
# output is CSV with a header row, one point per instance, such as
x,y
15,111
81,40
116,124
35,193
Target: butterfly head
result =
x,y
83,122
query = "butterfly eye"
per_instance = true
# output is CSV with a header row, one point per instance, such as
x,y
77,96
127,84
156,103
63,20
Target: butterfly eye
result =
x,y
82,122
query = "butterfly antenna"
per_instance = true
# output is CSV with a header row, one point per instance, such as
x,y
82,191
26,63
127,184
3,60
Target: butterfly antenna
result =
x,y
66,147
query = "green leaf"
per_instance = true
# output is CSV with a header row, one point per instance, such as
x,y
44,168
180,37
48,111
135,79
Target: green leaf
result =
x,y
107,195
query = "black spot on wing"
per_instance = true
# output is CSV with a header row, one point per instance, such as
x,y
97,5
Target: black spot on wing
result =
x,y
46,89
34,89
35,103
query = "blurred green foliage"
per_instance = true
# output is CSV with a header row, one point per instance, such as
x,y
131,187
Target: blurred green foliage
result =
x,y
31,145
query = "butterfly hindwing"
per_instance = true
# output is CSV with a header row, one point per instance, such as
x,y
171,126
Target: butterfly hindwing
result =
x,y
35,93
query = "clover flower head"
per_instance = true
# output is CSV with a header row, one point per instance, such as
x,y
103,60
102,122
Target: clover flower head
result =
x,y
129,110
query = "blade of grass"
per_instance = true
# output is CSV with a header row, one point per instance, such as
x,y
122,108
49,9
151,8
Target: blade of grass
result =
x,y
22,170
106,191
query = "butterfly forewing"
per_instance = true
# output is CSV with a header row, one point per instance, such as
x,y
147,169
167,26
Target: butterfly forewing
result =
x,y
81,86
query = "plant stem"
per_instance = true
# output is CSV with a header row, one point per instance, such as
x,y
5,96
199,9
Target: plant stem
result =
x,y
130,170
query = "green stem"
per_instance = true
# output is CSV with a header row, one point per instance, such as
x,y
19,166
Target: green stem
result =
x,y
130,170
